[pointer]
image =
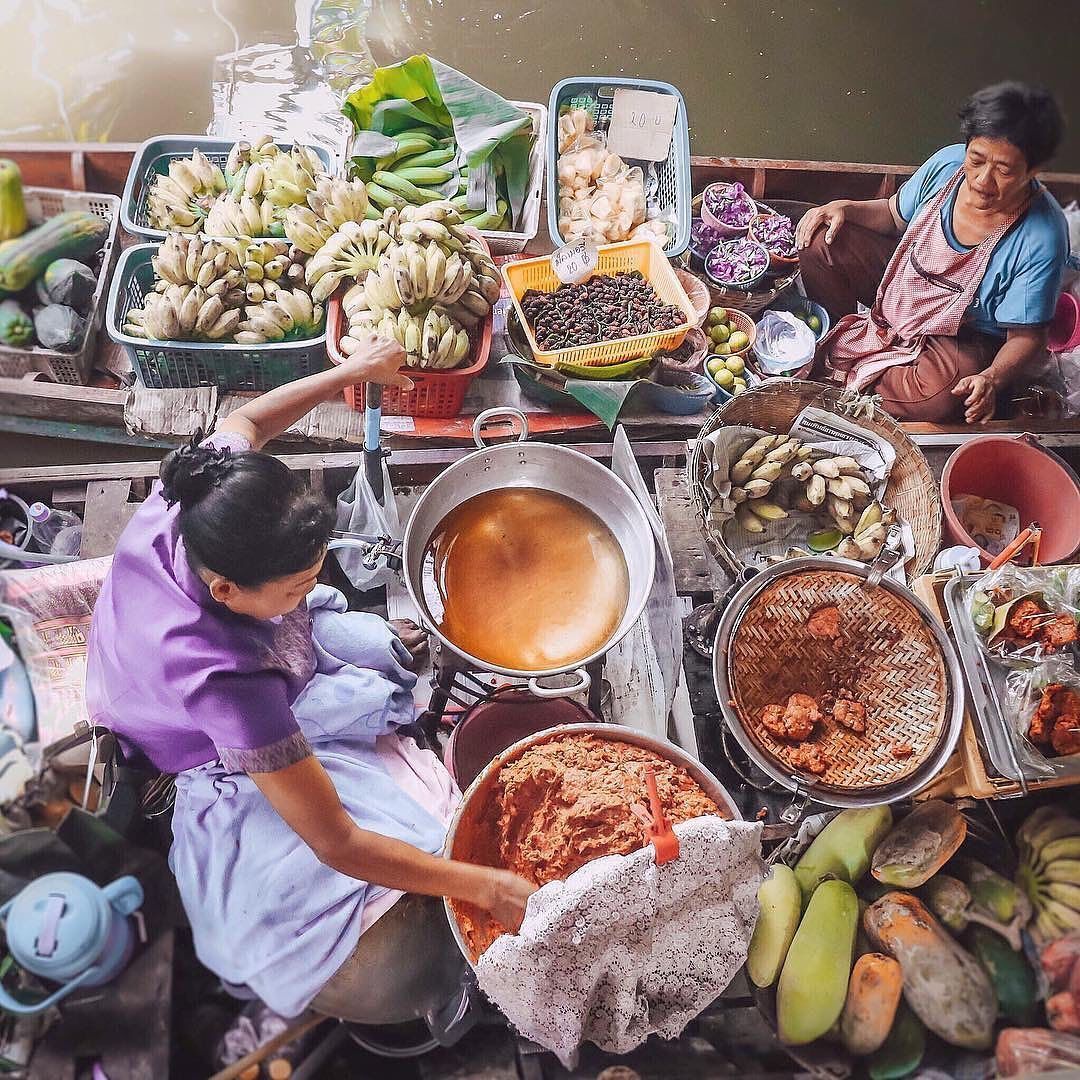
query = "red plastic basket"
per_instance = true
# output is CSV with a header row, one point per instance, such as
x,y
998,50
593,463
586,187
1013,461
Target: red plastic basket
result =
x,y
438,395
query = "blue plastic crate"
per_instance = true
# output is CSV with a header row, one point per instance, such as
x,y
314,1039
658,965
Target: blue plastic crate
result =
x,y
153,159
187,364
598,94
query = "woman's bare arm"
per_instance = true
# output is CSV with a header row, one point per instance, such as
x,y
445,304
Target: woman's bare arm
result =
x,y
267,416
305,797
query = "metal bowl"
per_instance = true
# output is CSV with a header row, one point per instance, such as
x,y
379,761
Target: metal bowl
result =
x,y
478,795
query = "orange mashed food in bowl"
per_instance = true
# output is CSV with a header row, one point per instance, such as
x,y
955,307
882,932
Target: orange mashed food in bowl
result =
x,y
560,804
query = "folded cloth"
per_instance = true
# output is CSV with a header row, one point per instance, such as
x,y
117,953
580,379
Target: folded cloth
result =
x,y
264,911
624,949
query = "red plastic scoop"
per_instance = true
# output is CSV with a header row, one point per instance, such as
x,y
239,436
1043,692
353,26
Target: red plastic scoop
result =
x,y
665,843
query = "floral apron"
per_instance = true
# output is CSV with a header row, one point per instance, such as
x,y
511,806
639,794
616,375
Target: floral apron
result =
x,y
926,290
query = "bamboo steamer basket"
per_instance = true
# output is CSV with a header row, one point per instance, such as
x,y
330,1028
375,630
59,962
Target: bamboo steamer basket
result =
x,y
892,657
911,489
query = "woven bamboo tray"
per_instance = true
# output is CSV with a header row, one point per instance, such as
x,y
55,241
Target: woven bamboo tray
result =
x,y
773,406
751,303
886,659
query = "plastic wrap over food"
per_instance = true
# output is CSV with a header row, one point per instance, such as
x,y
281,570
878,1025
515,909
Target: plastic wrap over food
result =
x,y
1043,706
783,344
1030,1051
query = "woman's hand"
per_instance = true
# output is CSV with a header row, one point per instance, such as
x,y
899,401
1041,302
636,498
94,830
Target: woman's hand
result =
x,y
506,897
412,637
830,217
377,361
980,397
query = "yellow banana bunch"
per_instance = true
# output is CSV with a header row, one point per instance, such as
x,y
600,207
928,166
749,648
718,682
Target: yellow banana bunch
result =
x,y
336,201
239,215
1048,843
183,313
180,199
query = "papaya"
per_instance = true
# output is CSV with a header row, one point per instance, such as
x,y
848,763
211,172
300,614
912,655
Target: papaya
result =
x,y
1014,981
843,849
920,845
780,904
814,980
12,206
902,1052
944,984
873,996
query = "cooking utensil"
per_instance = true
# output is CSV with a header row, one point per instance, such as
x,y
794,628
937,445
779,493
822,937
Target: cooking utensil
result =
x,y
477,800
892,657
665,843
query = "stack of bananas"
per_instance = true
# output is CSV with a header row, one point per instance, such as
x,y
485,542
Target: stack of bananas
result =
x,y
426,283
182,198
777,474
259,185
242,290
422,170
1049,848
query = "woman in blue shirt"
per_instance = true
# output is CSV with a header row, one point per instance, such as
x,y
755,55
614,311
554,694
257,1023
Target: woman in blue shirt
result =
x,y
962,267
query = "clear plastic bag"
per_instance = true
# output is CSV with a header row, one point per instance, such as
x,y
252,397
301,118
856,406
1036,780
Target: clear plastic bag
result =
x,y
1043,706
359,512
1026,616
1027,1051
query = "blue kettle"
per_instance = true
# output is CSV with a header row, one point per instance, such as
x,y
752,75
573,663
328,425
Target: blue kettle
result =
x,y
64,928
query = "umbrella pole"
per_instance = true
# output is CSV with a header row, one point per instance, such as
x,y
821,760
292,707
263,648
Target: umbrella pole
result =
x,y
373,469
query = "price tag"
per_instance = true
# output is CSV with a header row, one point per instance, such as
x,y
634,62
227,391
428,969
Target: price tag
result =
x,y
575,262
641,124
401,425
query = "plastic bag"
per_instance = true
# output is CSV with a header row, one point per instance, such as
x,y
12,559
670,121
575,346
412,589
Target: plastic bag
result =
x,y
1027,1051
784,344
992,525
359,512
1026,615
1043,707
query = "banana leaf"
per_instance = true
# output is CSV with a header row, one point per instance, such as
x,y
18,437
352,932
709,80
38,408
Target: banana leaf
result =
x,y
421,92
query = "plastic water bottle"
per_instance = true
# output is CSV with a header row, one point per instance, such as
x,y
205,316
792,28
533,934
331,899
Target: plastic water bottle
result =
x,y
58,532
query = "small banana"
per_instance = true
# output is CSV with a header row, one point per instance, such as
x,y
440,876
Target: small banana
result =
x,y
767,511
747,519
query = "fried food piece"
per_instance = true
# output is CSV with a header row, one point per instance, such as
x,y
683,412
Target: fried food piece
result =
x,y
810,759
824,623
1046,714
794,721
902,750
1065,738
850,714
1025,620
1058,632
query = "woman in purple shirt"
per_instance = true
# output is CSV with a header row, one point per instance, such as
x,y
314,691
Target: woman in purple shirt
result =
x,y
301,819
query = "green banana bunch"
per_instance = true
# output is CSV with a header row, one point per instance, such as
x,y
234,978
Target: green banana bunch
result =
x,y
180,200
1049,872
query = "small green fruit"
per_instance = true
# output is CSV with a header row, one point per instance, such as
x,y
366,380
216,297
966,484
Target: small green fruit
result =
x,y
735,365
814,323
720,333
724,378
738,341
717,315
723,349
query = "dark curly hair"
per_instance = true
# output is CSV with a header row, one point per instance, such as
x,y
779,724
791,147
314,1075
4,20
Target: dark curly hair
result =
x,y
1027,116
244,516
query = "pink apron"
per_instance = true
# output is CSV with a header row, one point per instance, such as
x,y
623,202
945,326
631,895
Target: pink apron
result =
x,y
926,290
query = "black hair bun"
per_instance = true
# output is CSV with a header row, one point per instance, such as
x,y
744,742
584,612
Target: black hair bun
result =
x,y
189,473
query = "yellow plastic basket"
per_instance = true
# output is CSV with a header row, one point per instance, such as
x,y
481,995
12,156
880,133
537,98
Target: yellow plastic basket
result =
x,y
642,255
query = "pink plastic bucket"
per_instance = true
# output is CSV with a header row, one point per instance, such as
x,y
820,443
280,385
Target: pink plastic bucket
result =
x,y
1020,473
1064,333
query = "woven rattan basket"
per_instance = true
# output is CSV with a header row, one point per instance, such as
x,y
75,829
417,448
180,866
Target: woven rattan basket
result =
x,y
773,406
890,657
751,303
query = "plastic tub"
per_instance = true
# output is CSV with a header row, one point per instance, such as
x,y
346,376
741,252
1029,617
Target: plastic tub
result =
x,y
673,174
1064,335
1018,472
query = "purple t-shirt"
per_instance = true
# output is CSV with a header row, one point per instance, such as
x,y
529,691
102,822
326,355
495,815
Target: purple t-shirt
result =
x,y
177,676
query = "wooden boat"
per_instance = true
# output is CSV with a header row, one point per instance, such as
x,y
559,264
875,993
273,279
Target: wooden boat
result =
x,y
97,413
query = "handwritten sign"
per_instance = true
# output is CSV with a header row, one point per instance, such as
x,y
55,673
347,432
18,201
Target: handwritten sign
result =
x,y
575,262
641,124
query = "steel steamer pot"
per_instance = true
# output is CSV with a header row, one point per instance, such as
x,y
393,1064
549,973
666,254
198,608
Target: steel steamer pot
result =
x,y
524,464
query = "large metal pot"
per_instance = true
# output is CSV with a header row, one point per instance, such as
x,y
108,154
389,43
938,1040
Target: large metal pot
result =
x,y
549,468
479,791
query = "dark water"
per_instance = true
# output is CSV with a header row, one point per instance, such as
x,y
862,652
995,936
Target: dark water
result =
x,y
862,80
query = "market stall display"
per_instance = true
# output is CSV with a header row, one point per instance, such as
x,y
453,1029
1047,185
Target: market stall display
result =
x,y
198,184
596,195
57,253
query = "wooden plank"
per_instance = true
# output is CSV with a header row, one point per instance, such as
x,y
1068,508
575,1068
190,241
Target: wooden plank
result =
x,y
696,571
107,512
68,404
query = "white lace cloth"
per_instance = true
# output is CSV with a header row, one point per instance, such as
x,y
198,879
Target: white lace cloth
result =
x,y
624,949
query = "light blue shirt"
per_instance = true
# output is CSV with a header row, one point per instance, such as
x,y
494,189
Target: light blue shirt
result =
x,y
1023,278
